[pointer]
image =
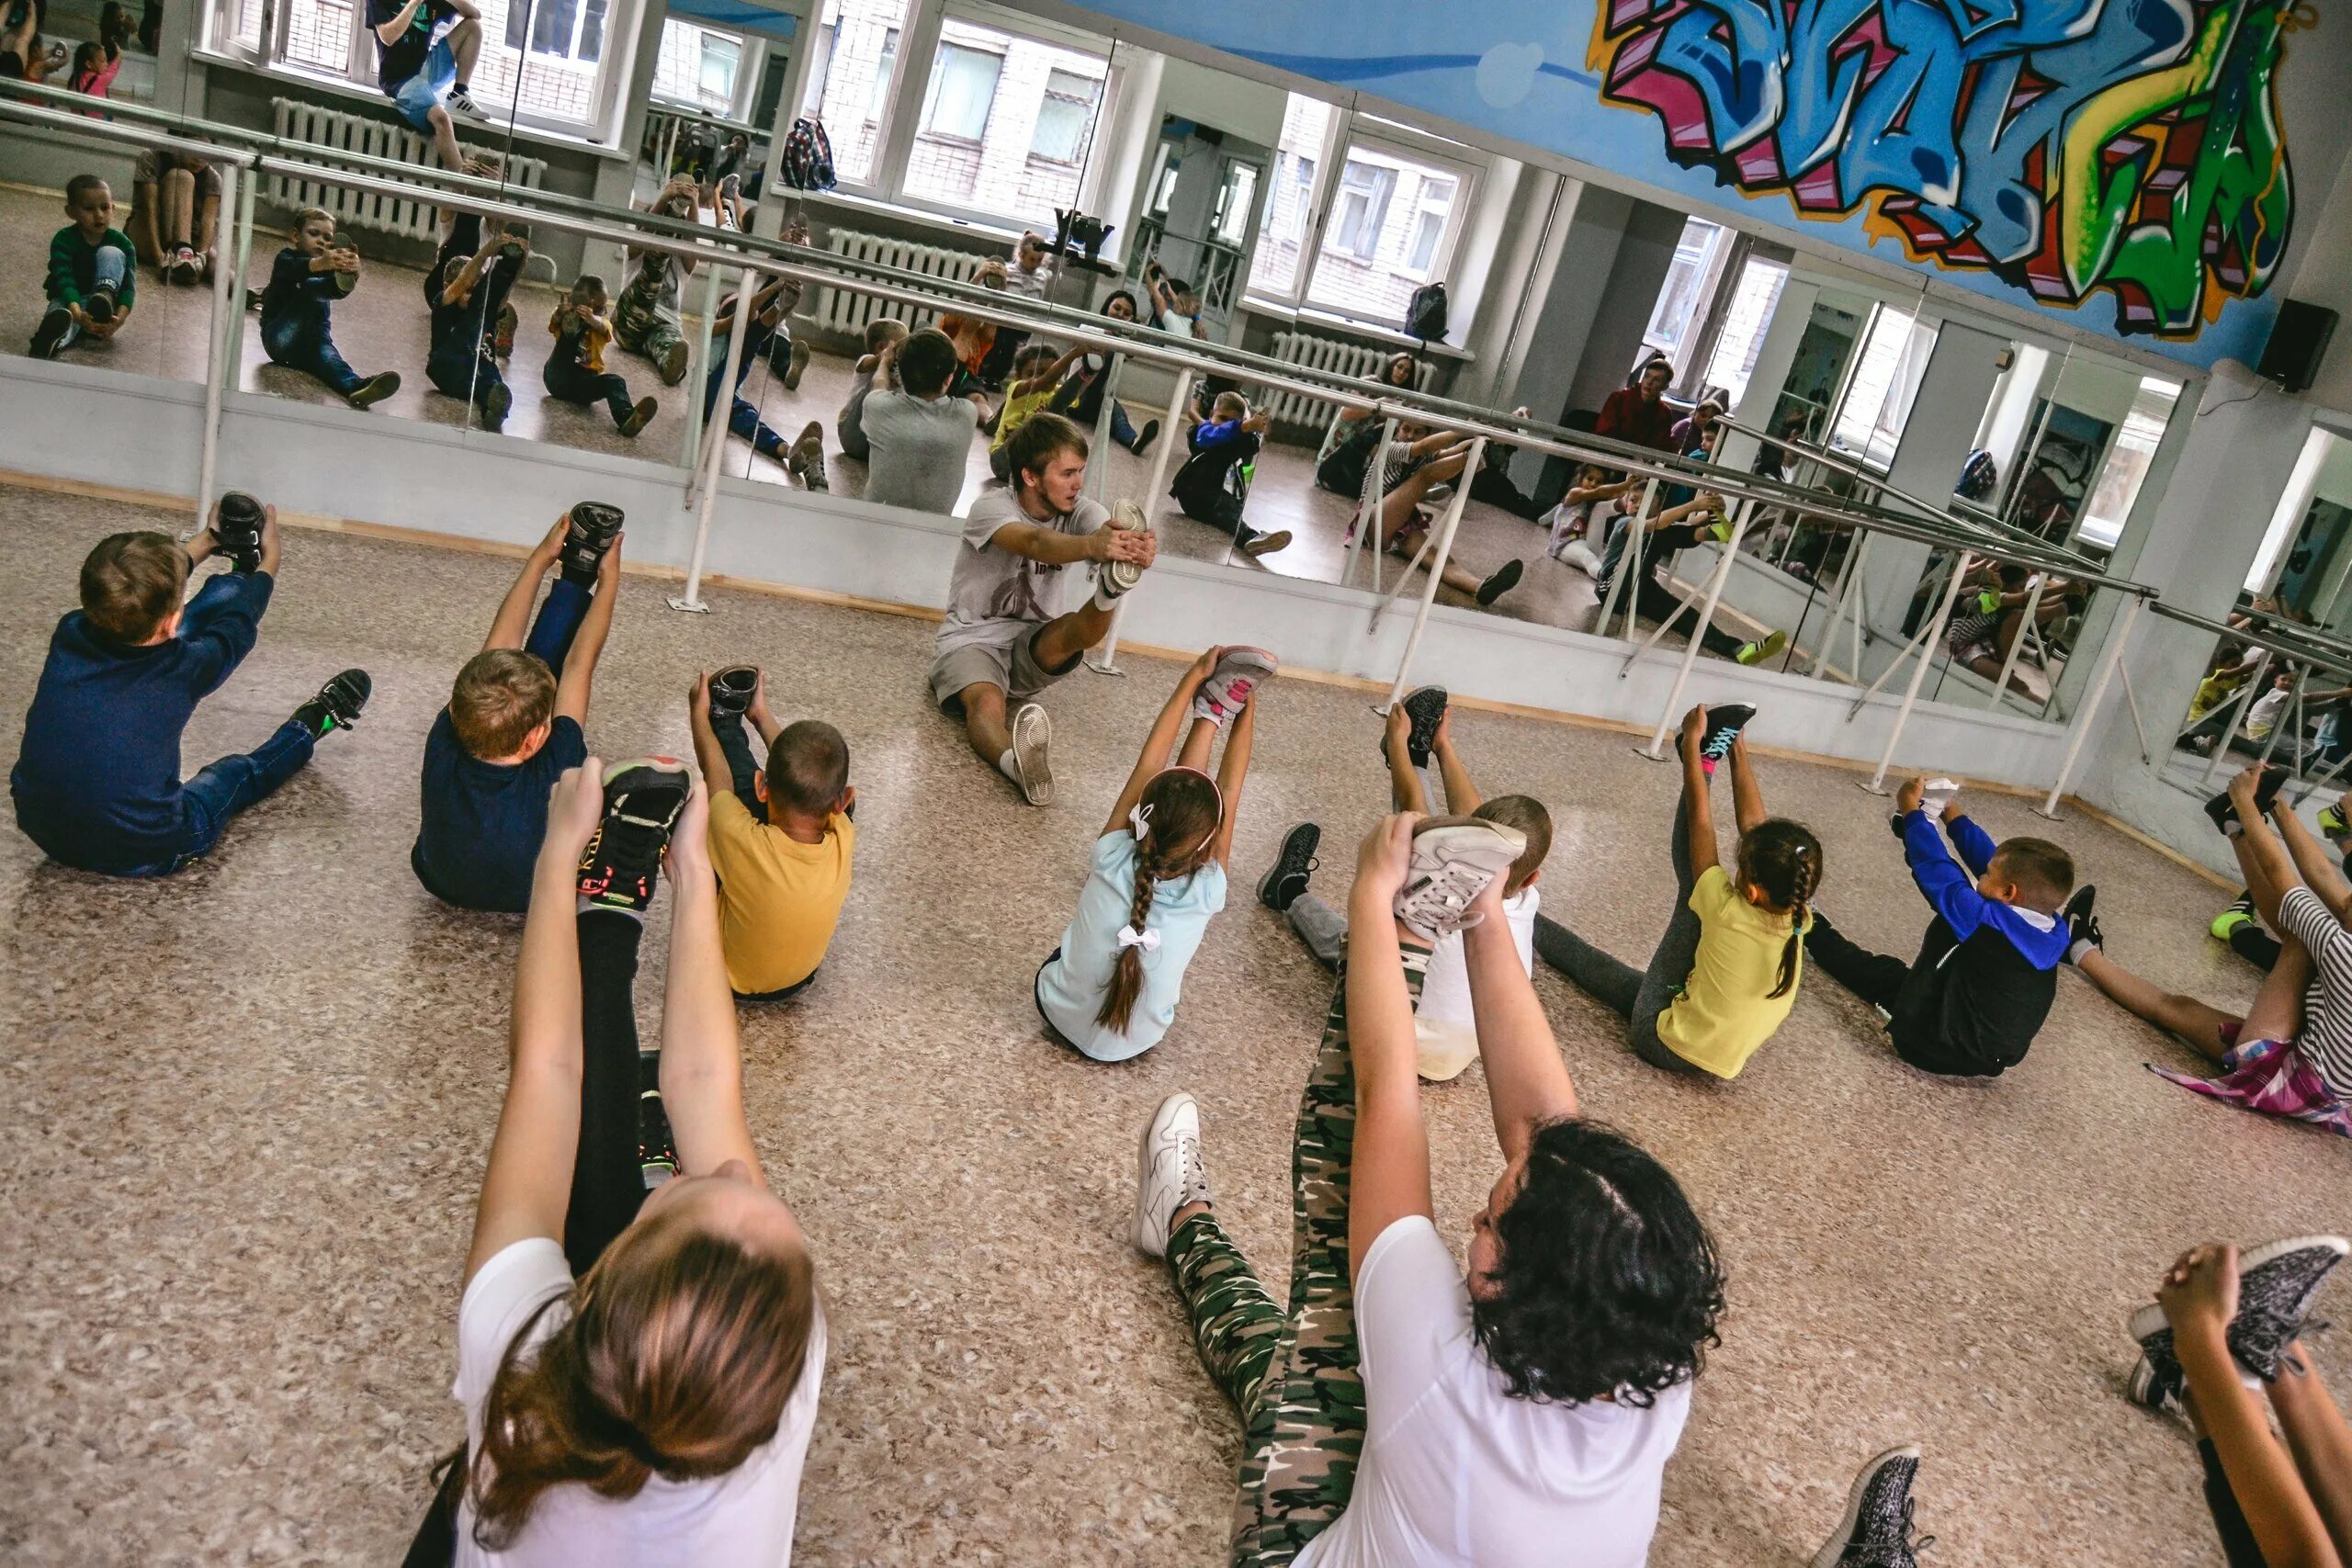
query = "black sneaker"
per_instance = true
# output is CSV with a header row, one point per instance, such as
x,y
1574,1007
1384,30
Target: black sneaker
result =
x,y
1876,1531
1425,709
623,862
49,338
1280,886
730,690
657,1147
337,705
236,527
640,416
1145,437
2082,926
1724,725
496,406
374,390
590,528
1504,578
2224,812
98,305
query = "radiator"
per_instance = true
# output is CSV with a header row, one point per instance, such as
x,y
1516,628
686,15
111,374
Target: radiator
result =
x,y
842,310
410,218
1333,356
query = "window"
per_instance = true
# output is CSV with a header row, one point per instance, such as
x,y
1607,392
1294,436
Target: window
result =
x,y
962,93
1237,200
1689,283
1885,378
998,121
1744,320
2287,518
318,33
699,66
2134,449
1390,217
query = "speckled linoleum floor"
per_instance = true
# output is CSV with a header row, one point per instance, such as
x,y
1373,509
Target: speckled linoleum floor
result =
x,y
250,1106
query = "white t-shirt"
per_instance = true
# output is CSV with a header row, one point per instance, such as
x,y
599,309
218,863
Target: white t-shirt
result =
x,y
742,1519
1455,1471
1443,1025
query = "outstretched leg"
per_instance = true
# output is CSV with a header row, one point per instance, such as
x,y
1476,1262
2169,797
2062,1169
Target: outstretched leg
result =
x,y
1060,642
2319,1441
2207,1028
984,724
607,1179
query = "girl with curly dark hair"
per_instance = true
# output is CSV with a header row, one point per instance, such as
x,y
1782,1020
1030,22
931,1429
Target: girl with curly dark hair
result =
x,y
1397,1411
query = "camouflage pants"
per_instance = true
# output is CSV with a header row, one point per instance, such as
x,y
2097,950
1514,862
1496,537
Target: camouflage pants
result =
x,y
648,331
1291,1374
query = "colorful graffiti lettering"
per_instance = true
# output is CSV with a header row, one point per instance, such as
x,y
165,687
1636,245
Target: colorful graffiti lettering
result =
x,y
2066,146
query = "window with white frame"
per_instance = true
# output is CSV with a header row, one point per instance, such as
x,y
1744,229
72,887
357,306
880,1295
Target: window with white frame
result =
x,y
2126,469
1886,376
702,67
1689,283
1004,112
545,61
1746,317
1391,215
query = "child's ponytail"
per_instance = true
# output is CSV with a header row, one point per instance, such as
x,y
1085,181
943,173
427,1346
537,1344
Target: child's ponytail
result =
x,y
1175,822
1782,860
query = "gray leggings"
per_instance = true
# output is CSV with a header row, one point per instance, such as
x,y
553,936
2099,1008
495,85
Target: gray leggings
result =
x,y
1641,995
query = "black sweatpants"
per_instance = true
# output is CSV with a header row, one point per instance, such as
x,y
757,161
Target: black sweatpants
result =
x,y
1874,976
578,384
608,1175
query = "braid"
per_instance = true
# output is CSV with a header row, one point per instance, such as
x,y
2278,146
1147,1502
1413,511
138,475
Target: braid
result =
x,y
1127,980
1804,879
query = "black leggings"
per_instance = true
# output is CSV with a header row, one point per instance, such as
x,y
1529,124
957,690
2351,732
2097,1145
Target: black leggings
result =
x,y
1657,601
736,742
1872,976
578,384
2239,1549
608,1175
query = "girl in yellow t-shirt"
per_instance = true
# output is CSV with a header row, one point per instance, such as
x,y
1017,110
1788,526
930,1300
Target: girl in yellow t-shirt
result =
x,y
1726,972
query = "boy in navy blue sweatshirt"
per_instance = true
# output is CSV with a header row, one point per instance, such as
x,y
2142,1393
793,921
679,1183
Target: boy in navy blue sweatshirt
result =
x,y
1971,1003
1214,481
97,781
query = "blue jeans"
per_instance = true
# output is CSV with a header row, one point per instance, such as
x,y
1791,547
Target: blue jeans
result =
x,y
109,267
207,802
300,346
558,621
743,418
468,377
416,98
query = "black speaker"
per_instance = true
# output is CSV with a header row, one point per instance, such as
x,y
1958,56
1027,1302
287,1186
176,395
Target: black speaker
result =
x,y
2297,342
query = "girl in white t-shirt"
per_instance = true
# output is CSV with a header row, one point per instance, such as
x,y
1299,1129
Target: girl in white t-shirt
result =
x,y
1570,523
1400,1412
1158,871
638,1368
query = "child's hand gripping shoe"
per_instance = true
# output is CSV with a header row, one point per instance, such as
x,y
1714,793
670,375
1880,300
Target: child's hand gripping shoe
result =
x,y
1454,860
732,691
236,527
622,862
2224,809
1239,672
1720,730
1424,710
589,530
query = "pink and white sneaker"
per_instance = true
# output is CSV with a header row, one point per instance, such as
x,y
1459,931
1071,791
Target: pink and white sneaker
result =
x,y
1239,672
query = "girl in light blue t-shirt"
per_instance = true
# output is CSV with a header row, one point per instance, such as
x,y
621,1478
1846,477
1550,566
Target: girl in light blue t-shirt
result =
x,y
1158,872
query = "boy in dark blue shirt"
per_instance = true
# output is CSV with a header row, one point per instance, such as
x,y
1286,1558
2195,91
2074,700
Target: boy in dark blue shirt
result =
x,y
1971,1003
1214,482
514,720
462,362
295,331
97,783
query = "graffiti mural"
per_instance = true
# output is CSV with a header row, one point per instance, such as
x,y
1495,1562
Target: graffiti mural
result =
x,y
2068,147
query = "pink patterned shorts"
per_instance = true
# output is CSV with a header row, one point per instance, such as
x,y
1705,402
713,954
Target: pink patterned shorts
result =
x,y
2271,1076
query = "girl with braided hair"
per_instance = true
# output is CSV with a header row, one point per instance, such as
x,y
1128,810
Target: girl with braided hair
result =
x,y
1158,870
1726,972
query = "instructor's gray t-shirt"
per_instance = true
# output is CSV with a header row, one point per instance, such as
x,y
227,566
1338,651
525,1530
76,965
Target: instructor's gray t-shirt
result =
x,y
919,449
995,595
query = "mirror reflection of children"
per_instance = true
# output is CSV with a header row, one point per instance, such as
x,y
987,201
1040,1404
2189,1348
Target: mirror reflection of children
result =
x,y
92,280
175,215
309,276
575,369
1213,485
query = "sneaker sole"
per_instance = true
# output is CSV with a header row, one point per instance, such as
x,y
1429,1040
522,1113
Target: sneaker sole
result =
x,y
1267,544
1143,1232
1033,735
1831,1555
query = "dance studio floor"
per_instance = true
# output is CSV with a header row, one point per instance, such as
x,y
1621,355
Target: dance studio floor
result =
x,y
251,1106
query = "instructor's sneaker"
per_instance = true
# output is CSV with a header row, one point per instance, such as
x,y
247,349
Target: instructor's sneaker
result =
x,y
794,364
1280,886
1239,672
2239,915
1424,711
1168,1173
657,1147
731,690
1121,576
638,417
623,861
2082,926
1503,580
589,530
1764,650
1257,544
1033,735
374,390
1724,725
337,705
2225,811
1455,859
1877,1531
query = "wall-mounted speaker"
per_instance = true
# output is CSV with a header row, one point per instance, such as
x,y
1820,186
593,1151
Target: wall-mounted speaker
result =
x,y
2297,342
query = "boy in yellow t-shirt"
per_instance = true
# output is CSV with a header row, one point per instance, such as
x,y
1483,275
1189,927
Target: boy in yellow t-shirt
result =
x,y
1725,974
781,838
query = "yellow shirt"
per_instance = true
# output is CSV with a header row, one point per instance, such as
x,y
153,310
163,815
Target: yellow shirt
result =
x,y
778,898
1016,414
1726,1009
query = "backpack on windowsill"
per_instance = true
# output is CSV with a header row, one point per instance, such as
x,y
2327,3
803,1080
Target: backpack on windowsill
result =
x,y
1425,314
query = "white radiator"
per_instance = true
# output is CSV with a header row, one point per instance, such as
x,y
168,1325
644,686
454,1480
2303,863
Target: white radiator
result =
x,y
411,218
842,310
1334,356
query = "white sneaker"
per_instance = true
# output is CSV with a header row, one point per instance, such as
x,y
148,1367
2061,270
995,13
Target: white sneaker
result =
x,y
1033,734
1936,796
1168,1173
1119,576
1454,860
1239,672
1578,553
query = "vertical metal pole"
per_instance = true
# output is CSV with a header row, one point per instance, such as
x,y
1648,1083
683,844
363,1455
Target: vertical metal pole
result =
x,y
1368,514
1629,562
1437,570
2016,647
2110,661
216,360
1625,666
698,375
2238,706
1109,663
691,600
1847,580
2132,703
1098,475
1919,673
1655,750
233,335
2294,707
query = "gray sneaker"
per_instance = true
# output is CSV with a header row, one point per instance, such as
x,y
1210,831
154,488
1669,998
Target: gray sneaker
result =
x,y
1033,735
1239,672
1876,1531
1121,576
2276,1285
1454,860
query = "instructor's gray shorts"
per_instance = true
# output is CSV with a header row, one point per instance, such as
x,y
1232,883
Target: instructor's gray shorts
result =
x,y
1011,665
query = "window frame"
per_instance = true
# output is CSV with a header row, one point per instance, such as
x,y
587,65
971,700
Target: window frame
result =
x,y
750,65
1345,130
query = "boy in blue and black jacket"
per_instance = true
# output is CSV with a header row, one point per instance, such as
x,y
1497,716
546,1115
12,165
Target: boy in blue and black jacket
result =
x,y
1971,1003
